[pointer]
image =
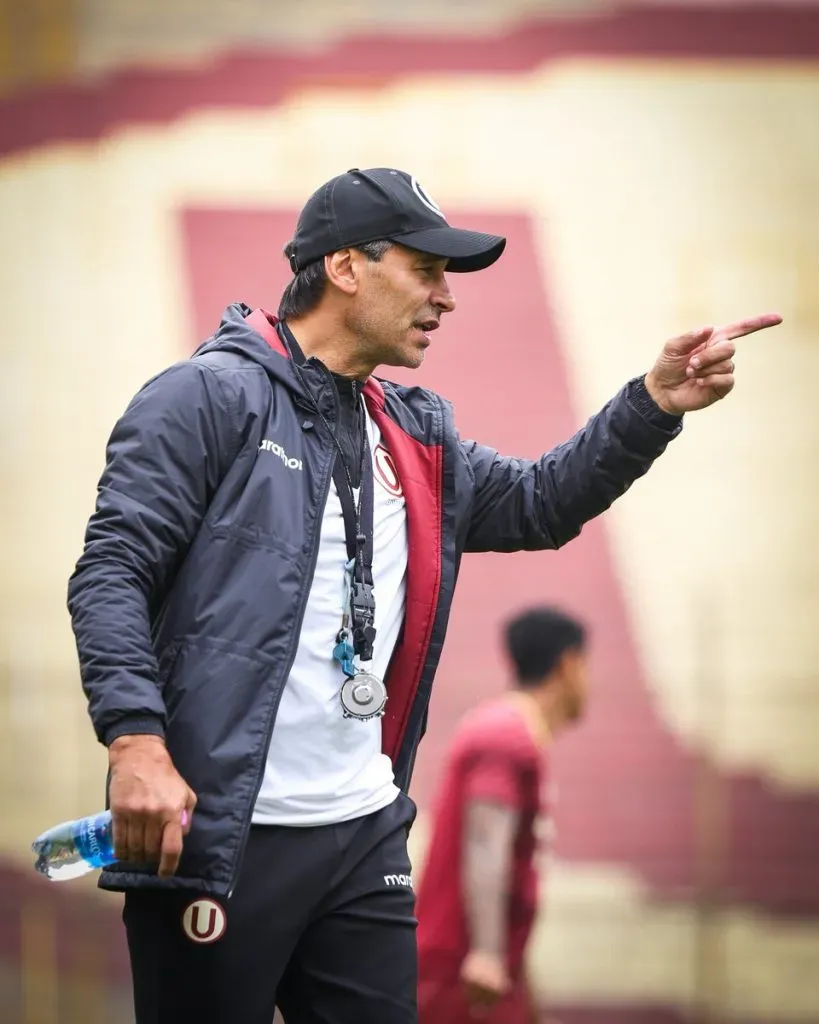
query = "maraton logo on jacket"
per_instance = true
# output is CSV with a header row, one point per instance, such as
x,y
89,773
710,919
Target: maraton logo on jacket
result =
x,y
276,449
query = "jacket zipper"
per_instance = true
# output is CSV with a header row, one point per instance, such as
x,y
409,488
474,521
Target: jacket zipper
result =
x,y
291,657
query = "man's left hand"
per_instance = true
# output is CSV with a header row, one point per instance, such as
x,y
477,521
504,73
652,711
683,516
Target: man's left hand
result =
x,y
697,369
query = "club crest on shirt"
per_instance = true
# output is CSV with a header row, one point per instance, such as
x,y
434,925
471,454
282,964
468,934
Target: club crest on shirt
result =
x,y
386,473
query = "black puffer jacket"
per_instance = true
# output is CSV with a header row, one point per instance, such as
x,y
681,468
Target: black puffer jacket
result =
x,y
188,598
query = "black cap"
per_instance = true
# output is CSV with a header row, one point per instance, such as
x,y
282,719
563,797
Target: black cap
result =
x,y
381,203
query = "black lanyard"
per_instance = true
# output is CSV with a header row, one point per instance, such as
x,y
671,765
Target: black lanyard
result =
x,y
358,519
358,532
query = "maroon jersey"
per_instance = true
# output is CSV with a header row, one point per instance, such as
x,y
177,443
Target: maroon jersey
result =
x,y
493,757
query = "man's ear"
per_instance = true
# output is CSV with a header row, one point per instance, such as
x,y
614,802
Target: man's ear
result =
x,y
562,664
566,667
342,269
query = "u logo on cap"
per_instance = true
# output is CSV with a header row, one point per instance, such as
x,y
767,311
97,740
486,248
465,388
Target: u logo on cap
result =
x,y
426,198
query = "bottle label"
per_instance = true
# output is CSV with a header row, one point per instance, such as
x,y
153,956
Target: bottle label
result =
x,y
94,841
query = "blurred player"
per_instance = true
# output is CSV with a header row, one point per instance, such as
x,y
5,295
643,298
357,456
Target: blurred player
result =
x,y
478,894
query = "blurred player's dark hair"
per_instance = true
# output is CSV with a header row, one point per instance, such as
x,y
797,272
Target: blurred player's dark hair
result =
x,y
304,292
537,639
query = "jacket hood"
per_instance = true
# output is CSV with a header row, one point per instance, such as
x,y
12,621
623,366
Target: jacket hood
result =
x,y
237,334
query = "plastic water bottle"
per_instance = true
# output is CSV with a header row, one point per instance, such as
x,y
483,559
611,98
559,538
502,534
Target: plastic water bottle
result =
x,y
74,848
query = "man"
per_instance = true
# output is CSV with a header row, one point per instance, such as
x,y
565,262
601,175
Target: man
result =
x,y
269,568
478,895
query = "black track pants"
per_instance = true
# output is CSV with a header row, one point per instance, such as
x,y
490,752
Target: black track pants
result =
x,y
322,924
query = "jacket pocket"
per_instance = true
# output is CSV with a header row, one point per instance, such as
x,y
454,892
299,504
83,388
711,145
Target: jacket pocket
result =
x,y
220,697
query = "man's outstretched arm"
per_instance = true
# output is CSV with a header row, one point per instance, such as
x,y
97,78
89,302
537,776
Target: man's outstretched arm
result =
x,y
522,504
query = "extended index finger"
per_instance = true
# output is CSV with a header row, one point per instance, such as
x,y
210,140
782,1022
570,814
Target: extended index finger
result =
x,y
750,325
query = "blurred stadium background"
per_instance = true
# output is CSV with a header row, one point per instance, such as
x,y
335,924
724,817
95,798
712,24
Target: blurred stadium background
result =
x,y
655,166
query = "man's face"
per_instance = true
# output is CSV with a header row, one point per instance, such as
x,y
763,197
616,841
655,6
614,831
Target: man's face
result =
x,y
398,304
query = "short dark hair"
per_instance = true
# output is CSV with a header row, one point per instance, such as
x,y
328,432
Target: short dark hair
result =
x,y
538,638
304,292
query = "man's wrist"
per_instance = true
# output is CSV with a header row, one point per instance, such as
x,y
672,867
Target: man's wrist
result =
x,y
648,399
145,747
135,740
486,952
656,393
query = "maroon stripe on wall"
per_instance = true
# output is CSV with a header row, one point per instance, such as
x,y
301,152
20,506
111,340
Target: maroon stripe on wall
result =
x,y
86,111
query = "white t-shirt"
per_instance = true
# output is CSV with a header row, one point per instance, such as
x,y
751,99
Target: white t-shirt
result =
x,y
323,768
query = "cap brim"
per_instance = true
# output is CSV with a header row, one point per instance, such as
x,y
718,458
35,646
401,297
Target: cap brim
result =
x,y
465,250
